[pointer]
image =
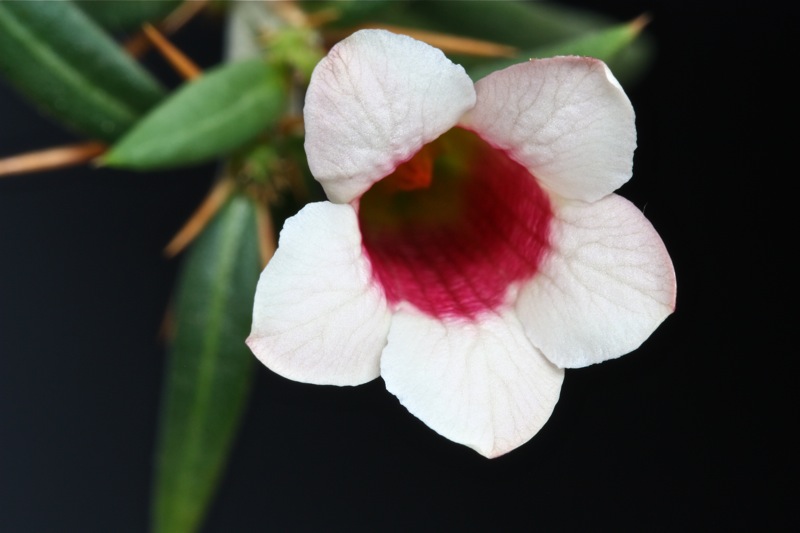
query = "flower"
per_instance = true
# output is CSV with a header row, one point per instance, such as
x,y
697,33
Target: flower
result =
x,y
472,247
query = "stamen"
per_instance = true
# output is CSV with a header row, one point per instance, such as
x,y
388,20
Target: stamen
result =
x,y
416,173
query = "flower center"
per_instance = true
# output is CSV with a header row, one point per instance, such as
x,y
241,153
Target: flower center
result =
x,y
451,229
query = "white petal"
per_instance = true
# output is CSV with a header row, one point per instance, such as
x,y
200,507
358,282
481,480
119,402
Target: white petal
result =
x,y
566,119
372,103
480,384
605,287
318,317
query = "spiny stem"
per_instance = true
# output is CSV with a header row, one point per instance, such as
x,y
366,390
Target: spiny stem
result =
x,y
200,218
139,43
51,158
446,42
179,61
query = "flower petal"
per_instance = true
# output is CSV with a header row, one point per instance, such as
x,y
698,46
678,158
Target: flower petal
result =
x,y
566,119
605,287
318,317
481,384
372,103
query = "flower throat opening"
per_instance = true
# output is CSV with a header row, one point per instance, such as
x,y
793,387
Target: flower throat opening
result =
x,y
452,228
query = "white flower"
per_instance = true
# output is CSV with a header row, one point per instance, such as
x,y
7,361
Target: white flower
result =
x,y
472,247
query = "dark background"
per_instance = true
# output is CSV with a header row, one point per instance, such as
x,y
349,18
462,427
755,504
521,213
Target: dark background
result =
x,y
690,432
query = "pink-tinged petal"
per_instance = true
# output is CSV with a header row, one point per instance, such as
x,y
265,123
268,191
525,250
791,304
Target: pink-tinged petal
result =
x,y
566,119
481,384
372,103
605,287
318,317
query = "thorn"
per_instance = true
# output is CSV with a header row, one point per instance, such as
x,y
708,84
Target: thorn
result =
x,y
200,218
182,64
446,42
291,14
182,14
297,17
321,17
51,158
266,234
139,44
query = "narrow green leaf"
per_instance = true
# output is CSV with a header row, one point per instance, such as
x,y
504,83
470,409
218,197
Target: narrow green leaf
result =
x,y
526,25
68,66
522,24
205,118
350,12
606,45
634,61
209,371
516,22
124,15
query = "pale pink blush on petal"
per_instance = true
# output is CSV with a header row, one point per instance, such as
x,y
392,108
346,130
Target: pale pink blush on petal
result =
x,y
318,317
606,285
566,119
372,103
481,384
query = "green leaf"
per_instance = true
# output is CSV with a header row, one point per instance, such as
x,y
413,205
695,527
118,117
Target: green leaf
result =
x,y
514,22
205,118
124,15
605,45
526,25
67,65
350,12
521,24
209,371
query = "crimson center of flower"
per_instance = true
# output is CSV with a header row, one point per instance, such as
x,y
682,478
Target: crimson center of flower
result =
x,y
453,227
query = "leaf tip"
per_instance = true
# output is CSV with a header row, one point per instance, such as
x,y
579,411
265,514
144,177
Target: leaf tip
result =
x,y
639,23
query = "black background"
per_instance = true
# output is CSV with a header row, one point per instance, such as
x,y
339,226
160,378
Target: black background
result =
x,y
690,432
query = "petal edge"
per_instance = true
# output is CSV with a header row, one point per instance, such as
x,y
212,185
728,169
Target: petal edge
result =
x,y
607,284
566,119
481,384
365,114
318,317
